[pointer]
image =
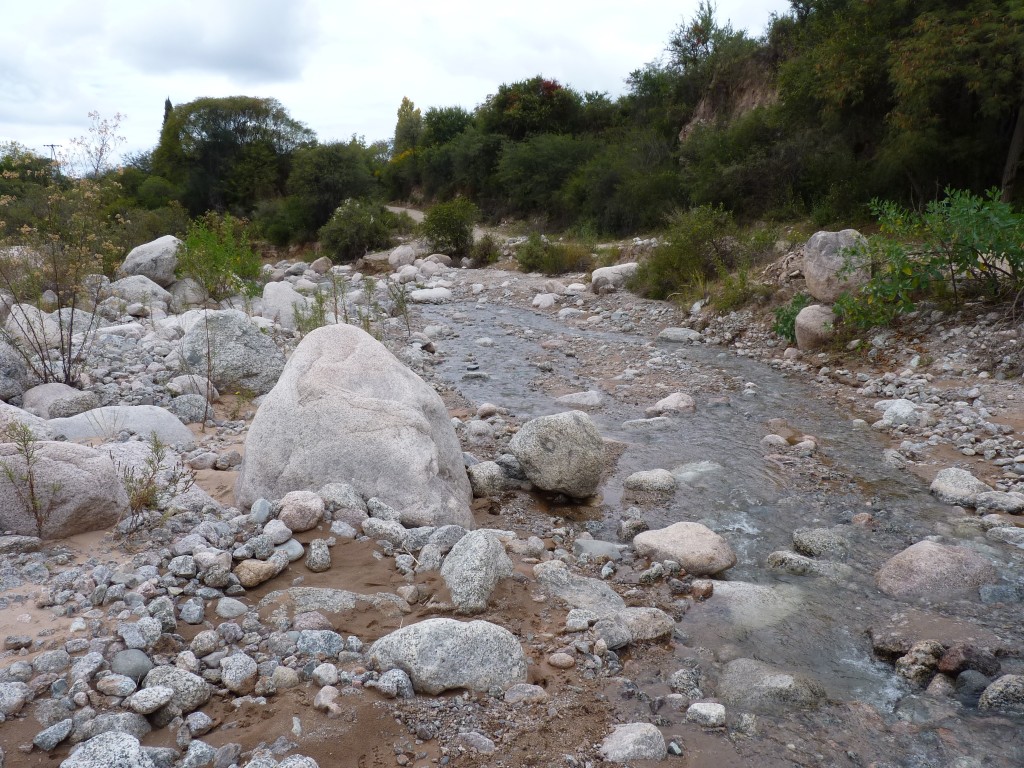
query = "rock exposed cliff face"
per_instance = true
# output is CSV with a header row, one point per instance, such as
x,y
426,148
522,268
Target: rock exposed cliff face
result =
x,y
730,97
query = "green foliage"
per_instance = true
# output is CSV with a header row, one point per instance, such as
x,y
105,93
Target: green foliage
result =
x,y
531,173
961,246
785,316
321,177
529,107
699,243
443,124
408,127
153,484
36,499
357,228
228,153
485,251
448,227
539,255
217,253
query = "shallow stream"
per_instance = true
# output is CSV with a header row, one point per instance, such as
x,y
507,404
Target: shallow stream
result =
x,y
805,625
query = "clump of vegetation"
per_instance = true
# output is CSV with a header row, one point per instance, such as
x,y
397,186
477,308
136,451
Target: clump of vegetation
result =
x,y
151,486
357,228
448,227
539,255
700,242
963,246
217,253
38,501
785,316
485,251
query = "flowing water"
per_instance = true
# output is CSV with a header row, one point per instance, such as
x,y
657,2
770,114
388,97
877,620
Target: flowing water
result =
x,y
805,625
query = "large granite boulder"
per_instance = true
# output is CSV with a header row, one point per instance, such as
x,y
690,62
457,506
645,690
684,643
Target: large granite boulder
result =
x,y
825,256
814,326
442,654
13,373
76,489
110,420
563,453
56,400
345,410
610,279
936,571
229,348
156,260
280,301
139,288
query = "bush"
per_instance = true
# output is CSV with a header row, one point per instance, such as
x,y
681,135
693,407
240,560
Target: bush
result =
x,y
217,253
538,255
785,316
962,246
485,251
448,227
699,244
357,228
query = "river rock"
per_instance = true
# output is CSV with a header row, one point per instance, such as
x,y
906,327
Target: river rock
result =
x,y
589,399
238,673
157,260
563,453
149,700
187,293
401,256
442,654
49,738
825,259
755,685
578,591
109,750
346,410
680,335
228,347
675,403
473,568
1004,695
55,400
252,573
301,510
319,558
651,481
698,549
139,288
815,326
611,279
936,571
958,486
78,489
13,697
634,741
280,301
190,692
131,663
143,420
13,373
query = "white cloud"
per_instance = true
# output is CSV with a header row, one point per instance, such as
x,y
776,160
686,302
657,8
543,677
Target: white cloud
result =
x,y
341,67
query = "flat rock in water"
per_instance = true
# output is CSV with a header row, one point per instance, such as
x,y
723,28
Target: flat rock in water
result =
x,y
589,399
679,335
698,549
756,685
935,571
430,295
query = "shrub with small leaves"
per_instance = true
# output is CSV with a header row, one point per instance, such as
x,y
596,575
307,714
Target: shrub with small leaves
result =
x,y
217,253
785,316
357,227
448,227
485,251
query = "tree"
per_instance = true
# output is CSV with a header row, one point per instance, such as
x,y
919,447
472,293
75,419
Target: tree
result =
x,y
228,152
442,124
93,155
324,175
529,107
408,127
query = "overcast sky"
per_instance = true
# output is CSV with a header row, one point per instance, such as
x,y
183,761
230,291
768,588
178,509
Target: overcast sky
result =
x,y
340,67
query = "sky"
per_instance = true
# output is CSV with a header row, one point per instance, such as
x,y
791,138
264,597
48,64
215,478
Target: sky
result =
x,y
340,67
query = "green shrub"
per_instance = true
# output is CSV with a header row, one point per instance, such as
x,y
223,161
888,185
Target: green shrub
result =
x,y
357,228
785,316
485,251
539,255
961,246
217,253
700,243
448,227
